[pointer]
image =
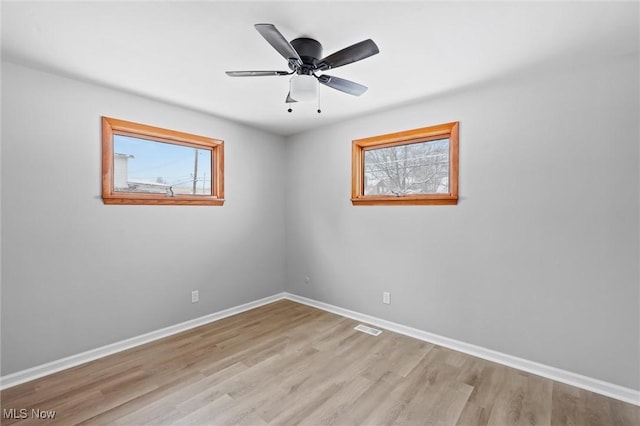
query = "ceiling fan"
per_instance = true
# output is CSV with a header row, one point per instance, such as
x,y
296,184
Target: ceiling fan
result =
x,y
304,57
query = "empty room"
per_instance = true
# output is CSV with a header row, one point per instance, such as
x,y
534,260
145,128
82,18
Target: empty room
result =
x,y
331,212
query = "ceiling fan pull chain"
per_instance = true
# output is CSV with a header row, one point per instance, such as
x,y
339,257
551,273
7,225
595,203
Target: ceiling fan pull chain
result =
x,y
319,110
289,109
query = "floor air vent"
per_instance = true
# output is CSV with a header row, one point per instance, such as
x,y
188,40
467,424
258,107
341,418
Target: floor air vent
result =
x,y
368,330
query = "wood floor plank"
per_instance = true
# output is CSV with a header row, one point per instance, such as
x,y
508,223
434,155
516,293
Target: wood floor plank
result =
x,y
473,414
287,363
339,403
369,400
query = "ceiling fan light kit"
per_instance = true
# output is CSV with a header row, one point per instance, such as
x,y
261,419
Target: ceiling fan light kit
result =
x,y
304,58
303,87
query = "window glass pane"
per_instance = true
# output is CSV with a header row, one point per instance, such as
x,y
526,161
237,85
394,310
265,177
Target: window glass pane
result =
x,y
152,167
416,168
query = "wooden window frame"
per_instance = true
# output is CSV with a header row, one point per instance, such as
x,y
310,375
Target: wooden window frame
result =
x,y
424,134
113,126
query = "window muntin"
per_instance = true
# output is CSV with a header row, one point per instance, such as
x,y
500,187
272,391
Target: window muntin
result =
x,y
418,166
150,165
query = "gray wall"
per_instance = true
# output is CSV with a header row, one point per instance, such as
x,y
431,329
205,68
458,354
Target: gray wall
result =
x,y
538,260
77,274
540,257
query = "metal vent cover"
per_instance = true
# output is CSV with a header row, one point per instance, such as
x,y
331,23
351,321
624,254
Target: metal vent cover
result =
x,y
368,330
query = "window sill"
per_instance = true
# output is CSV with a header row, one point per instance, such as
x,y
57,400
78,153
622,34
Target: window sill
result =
x,y
184,200
444,199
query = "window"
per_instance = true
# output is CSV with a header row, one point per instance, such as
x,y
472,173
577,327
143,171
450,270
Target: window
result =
x,y
417,166
149,165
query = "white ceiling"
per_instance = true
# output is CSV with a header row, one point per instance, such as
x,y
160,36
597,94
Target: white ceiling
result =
x,y
177,52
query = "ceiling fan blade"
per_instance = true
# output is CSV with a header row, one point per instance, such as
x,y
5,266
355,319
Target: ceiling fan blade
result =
x,y
348,55
343,85
290,99
255,73
277,40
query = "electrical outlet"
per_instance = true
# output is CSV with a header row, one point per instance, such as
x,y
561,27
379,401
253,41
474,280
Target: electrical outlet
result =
x,y
195,296
386,297
307,280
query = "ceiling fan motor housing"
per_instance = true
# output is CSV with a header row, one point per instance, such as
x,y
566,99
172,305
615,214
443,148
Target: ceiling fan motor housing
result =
x,y
310,52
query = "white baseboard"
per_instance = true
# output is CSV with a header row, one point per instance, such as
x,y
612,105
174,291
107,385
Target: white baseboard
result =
x,y
601,387
71,361
621,393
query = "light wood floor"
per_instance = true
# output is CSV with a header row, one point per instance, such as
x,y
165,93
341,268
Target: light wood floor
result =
x,y
287,363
